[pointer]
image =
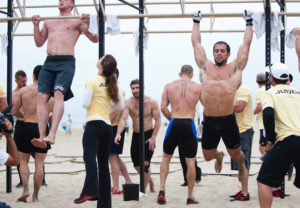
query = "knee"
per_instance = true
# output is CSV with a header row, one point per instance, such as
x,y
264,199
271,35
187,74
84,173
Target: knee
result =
x,y
58,95
42,97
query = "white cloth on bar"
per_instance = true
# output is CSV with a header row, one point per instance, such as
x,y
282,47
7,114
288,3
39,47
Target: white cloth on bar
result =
x,y
136,40
112,24
259,25
276,27
290,38
4,44
93,28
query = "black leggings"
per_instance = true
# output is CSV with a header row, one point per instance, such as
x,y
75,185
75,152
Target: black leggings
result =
x,y
96,142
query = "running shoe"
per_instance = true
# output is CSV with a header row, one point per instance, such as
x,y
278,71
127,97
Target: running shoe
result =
x,y
115,191
237,195
241,197
161,198
276,193
191,201
184,184
84,198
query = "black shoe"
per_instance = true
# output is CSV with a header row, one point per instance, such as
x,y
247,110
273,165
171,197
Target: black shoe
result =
x,y
237,195
184,184
19,185
191,201
44,184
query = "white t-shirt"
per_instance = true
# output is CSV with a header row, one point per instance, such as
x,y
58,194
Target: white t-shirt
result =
x,y
3,157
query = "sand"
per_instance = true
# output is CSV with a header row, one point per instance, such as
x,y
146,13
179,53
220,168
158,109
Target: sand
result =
x,y
65,174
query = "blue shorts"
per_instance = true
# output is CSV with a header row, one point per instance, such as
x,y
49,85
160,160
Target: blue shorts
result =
x,y
57,74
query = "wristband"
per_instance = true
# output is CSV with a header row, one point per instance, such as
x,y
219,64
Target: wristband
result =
x,y
249,22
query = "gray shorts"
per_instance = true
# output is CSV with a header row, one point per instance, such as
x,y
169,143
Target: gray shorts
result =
x,y
57,74
246,146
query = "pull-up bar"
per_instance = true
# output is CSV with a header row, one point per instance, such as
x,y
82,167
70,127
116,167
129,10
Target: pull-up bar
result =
x,y
207,15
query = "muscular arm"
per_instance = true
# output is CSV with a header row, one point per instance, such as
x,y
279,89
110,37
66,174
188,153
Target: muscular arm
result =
x,y
156,116
239,106
123,118
297,35
243,53
17,104
199,52
258,108
164,105
84,27
40,37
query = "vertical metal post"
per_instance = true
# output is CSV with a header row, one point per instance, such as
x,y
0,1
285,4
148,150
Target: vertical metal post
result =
x,y
268,38
101,31
141,100
282,60
9,78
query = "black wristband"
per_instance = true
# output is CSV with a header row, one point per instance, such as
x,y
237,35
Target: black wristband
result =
x,y
249,22
196,21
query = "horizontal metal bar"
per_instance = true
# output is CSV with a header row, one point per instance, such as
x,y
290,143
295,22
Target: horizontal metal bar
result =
x,y
158,32
155,16
130,4
160,3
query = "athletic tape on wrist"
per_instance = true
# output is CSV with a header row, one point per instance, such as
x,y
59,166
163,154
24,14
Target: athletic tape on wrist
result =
x,y
249,22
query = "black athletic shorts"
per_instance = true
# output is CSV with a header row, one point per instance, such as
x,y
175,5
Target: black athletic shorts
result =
x,y
262,138
216,127
57,74
116,148
19,133
135,148
30,131
181,133
278,161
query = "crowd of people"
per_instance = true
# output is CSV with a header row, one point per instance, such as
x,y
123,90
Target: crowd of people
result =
x,y
228,114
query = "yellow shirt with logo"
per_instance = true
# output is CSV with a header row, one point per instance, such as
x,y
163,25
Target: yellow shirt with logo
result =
x,y
259,96
285,100
2,93
118,117
100,106
245,119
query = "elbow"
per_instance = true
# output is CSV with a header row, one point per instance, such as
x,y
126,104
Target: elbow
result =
x,y
15,162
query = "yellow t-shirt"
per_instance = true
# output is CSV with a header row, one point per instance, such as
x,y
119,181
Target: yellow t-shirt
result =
x,y
259,96
118,117
100,107
2,93
244,119
285,100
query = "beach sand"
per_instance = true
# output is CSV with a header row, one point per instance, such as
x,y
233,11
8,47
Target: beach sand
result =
x,y
65,174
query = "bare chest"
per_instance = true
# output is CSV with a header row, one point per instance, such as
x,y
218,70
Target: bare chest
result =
x,y
63,26
135,110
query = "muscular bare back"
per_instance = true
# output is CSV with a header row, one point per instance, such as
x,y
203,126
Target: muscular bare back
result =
x,y
28,98
149,106
15,94
183,96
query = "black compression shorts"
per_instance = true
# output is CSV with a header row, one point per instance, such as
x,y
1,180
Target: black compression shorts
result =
x,y
135,149
216,127
181,133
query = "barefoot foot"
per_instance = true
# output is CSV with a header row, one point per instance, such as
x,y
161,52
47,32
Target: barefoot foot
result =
x,y
219,162
24,197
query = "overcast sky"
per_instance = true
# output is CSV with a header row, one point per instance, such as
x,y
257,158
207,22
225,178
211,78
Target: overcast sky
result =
x,y
164,57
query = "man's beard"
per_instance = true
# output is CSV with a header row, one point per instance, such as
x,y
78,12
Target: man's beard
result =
x,y
220,63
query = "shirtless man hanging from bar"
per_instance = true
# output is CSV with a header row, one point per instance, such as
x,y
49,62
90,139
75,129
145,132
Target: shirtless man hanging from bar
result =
x,y
220,81
58,70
